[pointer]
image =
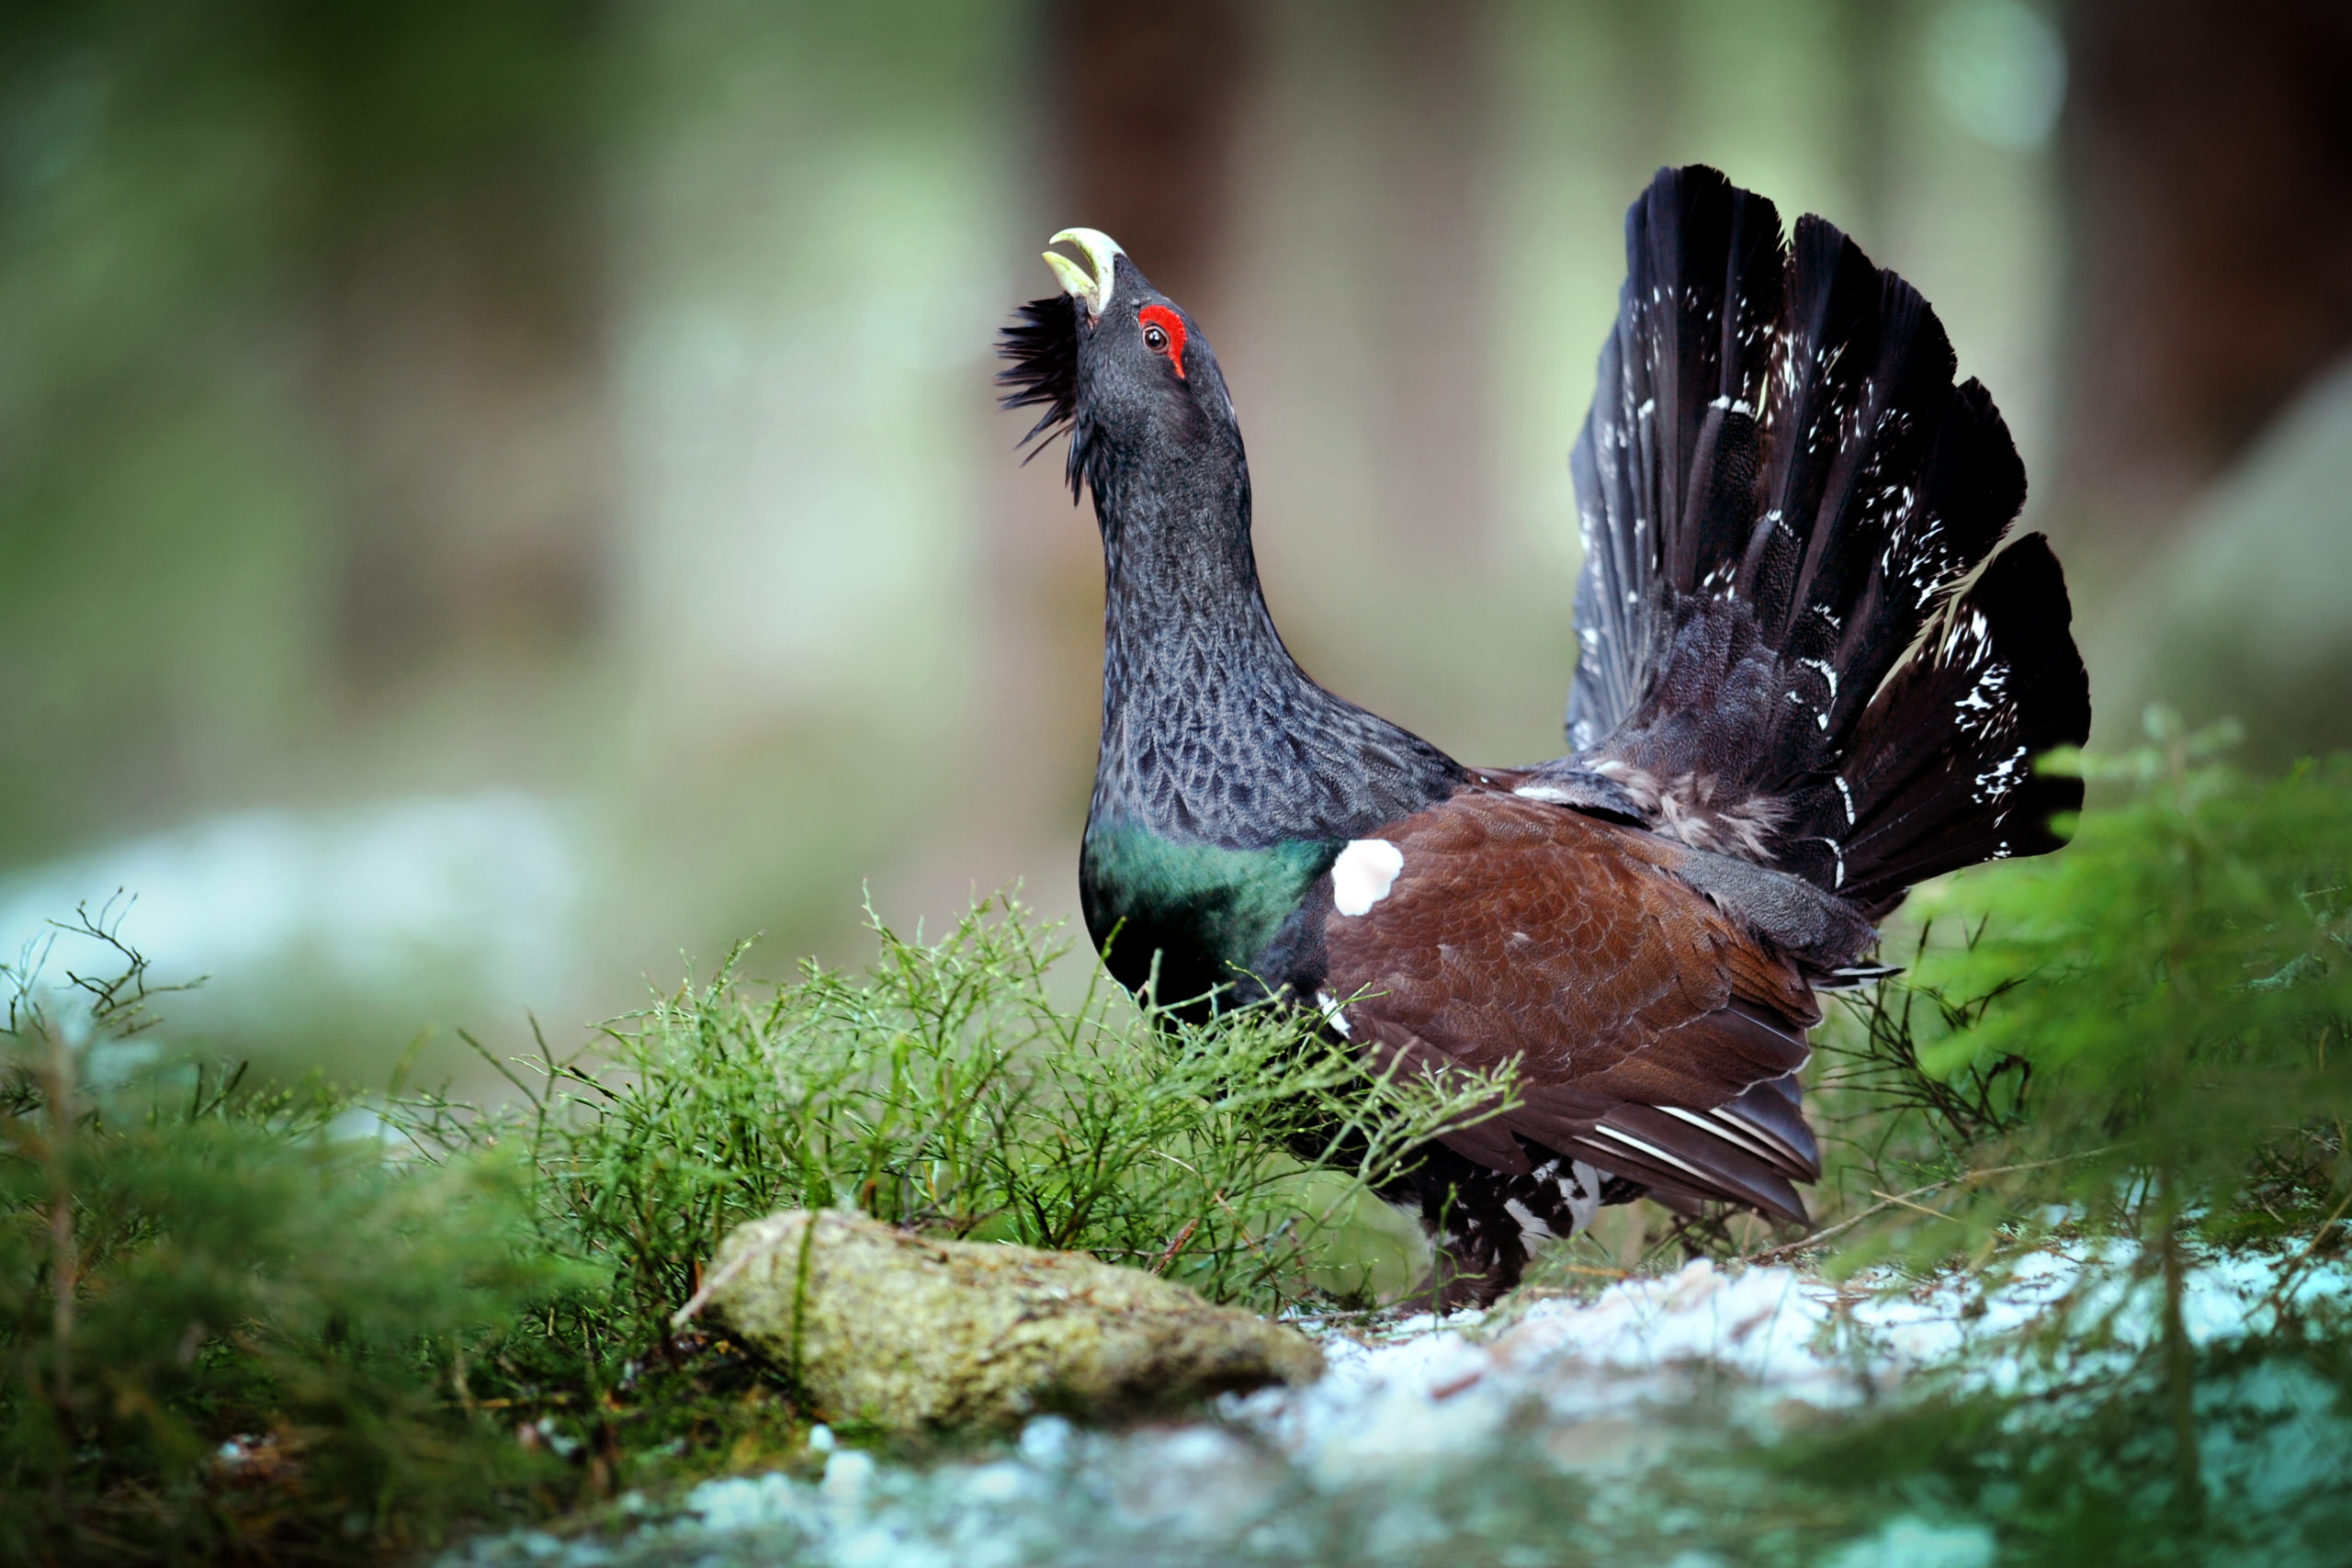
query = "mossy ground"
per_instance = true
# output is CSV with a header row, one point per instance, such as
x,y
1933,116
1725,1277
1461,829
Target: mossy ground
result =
x,y
296,1321
293,1322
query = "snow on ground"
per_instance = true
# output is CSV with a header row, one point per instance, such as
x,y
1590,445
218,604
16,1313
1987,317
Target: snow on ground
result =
x,y
1428,1436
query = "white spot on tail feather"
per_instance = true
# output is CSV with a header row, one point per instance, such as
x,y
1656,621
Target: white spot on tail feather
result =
x,y
1719,1129
1364,873
2002,776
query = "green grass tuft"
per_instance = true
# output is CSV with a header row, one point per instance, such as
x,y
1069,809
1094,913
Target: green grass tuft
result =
x,y
947,1091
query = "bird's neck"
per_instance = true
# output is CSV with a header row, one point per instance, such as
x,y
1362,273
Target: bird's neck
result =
x,y
1185,627
1212,733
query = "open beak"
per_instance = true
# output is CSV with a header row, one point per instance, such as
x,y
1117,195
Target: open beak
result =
x,y
1101,251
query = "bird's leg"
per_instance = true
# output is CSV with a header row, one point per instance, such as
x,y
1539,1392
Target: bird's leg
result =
x,y
1487,1224
1482,1248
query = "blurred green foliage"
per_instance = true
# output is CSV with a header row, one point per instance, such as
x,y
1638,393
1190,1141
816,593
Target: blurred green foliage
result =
x,y
180,186
2179,985
2147,1029
296,1319
2133,1052
2088,1471
187,1262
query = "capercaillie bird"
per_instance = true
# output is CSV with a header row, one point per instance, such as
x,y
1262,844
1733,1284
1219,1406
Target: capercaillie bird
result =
x,y
1804,683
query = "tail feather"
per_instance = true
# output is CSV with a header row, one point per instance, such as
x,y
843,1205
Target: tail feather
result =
x,y
1782,489
1941,767
1700,301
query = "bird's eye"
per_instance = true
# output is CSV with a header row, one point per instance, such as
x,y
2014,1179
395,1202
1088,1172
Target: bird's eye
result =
x,y
1163,333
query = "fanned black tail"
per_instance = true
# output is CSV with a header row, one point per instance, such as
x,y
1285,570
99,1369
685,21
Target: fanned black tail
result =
x,y
1784,494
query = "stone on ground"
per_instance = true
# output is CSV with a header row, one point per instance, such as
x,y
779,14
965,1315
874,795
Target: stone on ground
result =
x,y
911,1334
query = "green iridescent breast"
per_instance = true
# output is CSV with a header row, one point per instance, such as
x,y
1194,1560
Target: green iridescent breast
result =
x,y
1203,911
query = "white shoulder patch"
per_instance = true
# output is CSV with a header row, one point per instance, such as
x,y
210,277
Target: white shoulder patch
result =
x,y
1364,873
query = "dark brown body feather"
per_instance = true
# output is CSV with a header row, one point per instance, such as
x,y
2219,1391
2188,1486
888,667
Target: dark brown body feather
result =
x,y
1527,935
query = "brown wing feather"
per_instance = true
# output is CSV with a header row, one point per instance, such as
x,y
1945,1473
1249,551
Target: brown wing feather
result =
x,y
1637,1012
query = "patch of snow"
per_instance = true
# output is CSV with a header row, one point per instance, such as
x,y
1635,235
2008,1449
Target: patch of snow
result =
x,y
1911,1542
480,894
1427,1432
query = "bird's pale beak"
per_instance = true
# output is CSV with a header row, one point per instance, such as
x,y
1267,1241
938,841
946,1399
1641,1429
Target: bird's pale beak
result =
x,y
1101,251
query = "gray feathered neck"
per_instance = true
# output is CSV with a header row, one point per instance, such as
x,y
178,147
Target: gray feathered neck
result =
x,y
1211,732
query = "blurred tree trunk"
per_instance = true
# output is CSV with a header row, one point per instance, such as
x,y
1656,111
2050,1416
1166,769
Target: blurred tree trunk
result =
x,y
1428,117
1147,96
461,301
2209,154
462,374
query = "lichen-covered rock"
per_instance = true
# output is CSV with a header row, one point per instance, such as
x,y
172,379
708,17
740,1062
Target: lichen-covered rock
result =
x,y
913,1334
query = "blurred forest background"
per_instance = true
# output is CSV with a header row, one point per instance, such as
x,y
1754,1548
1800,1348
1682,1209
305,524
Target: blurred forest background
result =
x,y
495,496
